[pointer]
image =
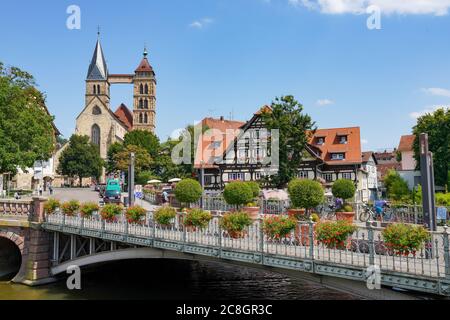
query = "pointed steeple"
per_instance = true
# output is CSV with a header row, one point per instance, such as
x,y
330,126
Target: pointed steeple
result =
x,y
144,66
98,69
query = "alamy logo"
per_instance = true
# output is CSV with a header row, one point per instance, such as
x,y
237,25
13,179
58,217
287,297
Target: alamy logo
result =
x,y
373,274
74,20
374,20
74,281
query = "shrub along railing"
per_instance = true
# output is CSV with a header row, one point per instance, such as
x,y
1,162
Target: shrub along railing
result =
x,y
364,248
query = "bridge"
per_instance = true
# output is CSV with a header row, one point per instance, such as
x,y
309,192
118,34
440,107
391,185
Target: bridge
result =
x,y
49,244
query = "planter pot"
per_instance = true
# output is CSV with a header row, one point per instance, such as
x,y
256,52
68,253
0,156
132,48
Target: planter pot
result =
x,y
296,213
252,211
237,234
348,216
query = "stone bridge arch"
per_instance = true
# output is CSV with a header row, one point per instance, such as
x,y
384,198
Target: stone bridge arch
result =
x,y
12,253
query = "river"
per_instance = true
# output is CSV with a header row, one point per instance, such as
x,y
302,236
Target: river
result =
x,y
175,280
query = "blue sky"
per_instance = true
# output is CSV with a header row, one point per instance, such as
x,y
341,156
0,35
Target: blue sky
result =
x,y
223,57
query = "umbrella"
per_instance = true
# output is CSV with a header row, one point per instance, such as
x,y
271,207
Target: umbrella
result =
x,y
175,180
153,181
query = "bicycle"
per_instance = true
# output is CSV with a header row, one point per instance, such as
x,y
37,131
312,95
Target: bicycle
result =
x,y
368,214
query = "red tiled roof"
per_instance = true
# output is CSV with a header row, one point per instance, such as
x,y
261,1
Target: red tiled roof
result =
x,y
383,169
366,156
352,148
144,66
222,130
124,115
406,143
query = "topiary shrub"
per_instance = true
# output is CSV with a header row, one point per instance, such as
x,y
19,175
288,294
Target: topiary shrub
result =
x,y
188,191
70,208
254,186
238,193
344,189
51,205
305,194
164,215
88,208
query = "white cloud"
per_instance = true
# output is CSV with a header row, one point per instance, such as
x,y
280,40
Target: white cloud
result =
x,y
437,92
199,24
434,7
324,102
364,141
429,109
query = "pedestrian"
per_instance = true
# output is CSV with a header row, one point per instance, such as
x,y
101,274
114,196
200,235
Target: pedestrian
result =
x,y
40,191
50,188
16,196
165,198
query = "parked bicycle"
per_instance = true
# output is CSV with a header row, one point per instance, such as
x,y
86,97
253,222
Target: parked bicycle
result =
x,y
368,214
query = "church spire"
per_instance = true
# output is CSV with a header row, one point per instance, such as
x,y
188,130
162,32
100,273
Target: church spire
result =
x,y
98,69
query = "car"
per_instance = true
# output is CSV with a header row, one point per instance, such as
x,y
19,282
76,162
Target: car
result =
x,y
113,192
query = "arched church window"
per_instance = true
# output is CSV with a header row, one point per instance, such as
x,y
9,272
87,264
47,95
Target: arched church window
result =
x,y
95,89
141,103
95,135
141,89
96,111
145,104
140,118
98,89
146,89
145,118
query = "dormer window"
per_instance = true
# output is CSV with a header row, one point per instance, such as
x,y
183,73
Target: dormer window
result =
x,y
320,141
338,156
343,139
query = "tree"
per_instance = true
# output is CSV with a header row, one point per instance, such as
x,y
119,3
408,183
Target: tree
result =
x,y
26,130
293,125
142,162
396,187
113,150
81,159
437,125
143,139
306,194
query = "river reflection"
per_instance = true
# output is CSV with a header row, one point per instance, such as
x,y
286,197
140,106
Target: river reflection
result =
x,y
169,280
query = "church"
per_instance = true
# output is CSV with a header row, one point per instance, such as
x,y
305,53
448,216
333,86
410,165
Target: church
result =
x,y
98,121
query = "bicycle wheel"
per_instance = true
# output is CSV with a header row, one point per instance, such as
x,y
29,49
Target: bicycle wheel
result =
x,y
364,216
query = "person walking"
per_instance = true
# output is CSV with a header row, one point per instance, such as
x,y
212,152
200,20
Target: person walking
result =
x,y
165,198
50,188
40,191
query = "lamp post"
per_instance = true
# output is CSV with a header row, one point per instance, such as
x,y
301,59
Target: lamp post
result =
x,y
427,174
131,180
202,181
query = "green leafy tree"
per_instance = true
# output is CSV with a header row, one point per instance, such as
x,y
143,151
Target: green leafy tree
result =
x,y
143,139
396,187
26,131
306,194
81,159
287,116
113,150
144,176
142,162
437,125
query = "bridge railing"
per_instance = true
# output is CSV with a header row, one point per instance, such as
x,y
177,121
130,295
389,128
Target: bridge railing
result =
x,y
366,247
16,208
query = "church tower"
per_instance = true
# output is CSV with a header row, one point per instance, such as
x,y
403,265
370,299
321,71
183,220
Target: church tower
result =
x,y
144,98
97,84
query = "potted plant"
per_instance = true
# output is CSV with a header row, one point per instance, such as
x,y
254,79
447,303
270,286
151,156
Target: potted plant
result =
x,y
135,214
110,212
234,223
197,219
304,195
70,208
164,216
188,191
51,205
405,239
345,190
334,234
252,207
88,208
278,227
238,193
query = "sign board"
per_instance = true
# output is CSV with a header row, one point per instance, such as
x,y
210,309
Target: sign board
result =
x,y
138,191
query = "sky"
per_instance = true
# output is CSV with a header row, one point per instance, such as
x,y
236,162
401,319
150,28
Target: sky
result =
x,y
228,58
